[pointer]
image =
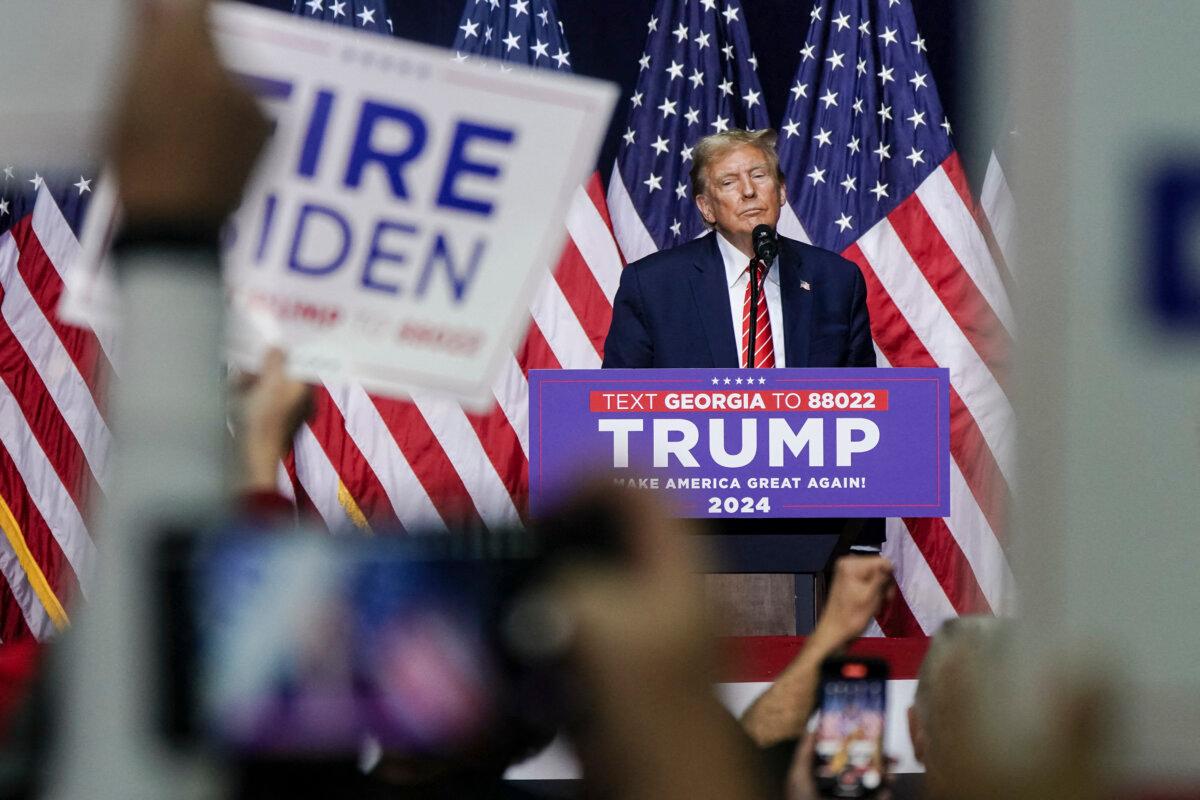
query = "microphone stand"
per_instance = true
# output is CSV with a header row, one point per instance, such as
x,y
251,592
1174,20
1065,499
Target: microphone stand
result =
x,y
751,350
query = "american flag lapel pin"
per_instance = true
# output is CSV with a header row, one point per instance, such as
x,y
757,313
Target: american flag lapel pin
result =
x,y
804,285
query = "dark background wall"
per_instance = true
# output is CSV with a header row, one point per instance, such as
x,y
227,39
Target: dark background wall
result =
x,y
607,36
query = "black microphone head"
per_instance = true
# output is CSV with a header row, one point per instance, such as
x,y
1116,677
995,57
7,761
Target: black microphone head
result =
x,y
766,244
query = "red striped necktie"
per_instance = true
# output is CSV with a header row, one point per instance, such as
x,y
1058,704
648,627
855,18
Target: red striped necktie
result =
x,y
764,355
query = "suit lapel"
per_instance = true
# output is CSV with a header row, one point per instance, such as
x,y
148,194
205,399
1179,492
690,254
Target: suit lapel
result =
x,y
797,304
711,293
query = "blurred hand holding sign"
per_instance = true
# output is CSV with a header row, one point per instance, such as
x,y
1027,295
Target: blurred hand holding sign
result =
x,y
404,212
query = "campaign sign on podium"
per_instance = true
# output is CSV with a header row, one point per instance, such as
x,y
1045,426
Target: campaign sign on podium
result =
x,y
748,443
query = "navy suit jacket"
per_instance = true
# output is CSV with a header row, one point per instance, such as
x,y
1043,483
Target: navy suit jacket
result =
x,y
672,310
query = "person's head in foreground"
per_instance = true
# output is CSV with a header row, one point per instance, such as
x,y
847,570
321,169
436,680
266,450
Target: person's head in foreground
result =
x,y
737,183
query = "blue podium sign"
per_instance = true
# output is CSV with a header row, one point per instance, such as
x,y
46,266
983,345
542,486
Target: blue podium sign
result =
x,y
748,443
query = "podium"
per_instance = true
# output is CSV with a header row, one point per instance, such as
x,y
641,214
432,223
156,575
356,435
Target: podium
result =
x,y
781,465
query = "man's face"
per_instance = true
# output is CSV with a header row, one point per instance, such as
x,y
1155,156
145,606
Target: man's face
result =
x,y
742,191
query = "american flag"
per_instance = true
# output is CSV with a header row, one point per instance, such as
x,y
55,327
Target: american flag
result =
x,y
367,15
377,462
54,441
872,173
697,76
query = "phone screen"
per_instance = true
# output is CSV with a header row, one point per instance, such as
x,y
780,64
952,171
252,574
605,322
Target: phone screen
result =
x,y
848,751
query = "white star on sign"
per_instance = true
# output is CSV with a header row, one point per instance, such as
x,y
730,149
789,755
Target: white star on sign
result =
x,y
917,119
885,75
888,36
915,157
835,60
727,381
660,145
844,222
316,6
680,190
681,32
716,381
84,185
675,70
885,113
919,43
339,9
667,107
817,176
731,14
807,52
737,381
822,137
469,29
701,40
629,136
800,90
511,42
654,182
692,116
792,129
562,57
918,80
644,61
686,153
761,381
850,184
879,190
636,99
367,15
853,144
829,98
842,21
726,87
751,99
883,151
721,125
540,50
520,7
697,78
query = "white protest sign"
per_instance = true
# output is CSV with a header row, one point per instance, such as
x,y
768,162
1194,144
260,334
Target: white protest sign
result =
x,y
404,211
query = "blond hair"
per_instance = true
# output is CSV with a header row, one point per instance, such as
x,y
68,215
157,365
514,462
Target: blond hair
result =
x,y
711,148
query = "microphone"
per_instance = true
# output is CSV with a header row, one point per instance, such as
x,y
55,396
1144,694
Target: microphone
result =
x,y
766,243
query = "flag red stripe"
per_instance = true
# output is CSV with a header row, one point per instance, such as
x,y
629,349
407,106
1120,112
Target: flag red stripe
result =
x,y
535,352
958,179
504,451
946,560
46,287
329,429
897,618
38,537
583,295
12,621
953,286
44,419
595,192
428,460
975,459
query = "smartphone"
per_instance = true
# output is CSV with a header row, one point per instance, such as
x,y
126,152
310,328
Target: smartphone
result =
x,y
303,646
848,758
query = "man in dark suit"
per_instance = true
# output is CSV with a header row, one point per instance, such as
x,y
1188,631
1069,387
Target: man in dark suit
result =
x,y
684,307
689,306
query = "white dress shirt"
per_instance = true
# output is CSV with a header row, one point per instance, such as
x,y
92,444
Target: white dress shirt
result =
x,y
737,276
